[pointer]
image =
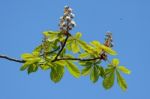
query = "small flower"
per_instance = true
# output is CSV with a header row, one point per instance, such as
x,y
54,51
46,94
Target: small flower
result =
x,y
68,18
73,23
72,15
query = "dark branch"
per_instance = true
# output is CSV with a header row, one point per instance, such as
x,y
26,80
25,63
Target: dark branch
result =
x,y
12,59
79,59
67,36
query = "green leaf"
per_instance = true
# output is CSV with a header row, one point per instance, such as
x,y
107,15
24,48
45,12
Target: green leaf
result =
x,y
94,74
56,73
97,45
108,50
102,72
75,47
115,62
26,56
78,35
32,68
108,81
121,81
49,33
83,63
83,55
86,70
73,69
38,48
85,46
124,70
24,66
45,67
108,71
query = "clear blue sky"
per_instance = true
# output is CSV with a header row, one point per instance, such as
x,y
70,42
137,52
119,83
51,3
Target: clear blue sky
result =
x,y
23,21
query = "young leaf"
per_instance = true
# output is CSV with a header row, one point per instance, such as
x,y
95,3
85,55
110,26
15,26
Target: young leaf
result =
x,y
94,74
108,50
102,72
56,73
75,48
86,70
26,56
85,46
115,62
78,35
97,45
38,48
24,66
83,55
121,81
108,81
73,69
32,68
124,70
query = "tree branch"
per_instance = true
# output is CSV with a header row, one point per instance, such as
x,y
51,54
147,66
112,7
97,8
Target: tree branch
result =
x,y
12,59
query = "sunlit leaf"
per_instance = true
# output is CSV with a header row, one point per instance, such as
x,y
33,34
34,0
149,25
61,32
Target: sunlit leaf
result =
x,y
73,69
121,81
38,49
115,62
108,81
86,70
32,68
24,66
108,50
94,74
83,55
78,35
102,71
26,56
75,47
124,69
85,46
56,73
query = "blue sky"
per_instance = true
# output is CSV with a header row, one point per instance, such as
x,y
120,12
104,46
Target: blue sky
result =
x,y
23,21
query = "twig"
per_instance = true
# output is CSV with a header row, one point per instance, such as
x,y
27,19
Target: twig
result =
x,y
67,36
12,59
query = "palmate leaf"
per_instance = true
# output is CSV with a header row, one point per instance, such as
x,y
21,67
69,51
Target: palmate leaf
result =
x,y
86,70
56,73
121,81
108,81
73,69
94,74
124,69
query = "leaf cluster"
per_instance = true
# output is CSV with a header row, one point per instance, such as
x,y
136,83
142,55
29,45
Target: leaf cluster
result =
x,y
55,54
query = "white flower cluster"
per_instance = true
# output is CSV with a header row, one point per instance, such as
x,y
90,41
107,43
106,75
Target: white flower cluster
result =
x,y
66,21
